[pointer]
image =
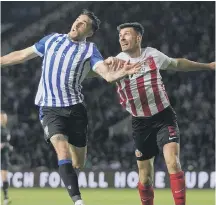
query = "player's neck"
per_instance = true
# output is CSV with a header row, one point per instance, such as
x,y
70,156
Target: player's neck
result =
x,y
135,53
76,40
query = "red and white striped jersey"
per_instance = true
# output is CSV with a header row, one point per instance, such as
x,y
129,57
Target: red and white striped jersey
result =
x,y
143,94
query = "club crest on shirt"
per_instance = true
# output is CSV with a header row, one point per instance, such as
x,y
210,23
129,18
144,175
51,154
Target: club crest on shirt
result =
x,y
150,62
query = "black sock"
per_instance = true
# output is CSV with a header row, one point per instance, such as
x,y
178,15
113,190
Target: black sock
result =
x,y
5,189
70,179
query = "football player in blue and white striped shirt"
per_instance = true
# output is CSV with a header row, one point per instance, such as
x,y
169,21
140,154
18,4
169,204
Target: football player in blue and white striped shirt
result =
x,y
62,113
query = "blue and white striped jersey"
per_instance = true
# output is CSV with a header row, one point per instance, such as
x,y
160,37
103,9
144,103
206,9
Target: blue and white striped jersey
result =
x,y
63,69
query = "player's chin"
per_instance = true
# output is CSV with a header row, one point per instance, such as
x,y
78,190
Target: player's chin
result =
x,y
75,36
124,49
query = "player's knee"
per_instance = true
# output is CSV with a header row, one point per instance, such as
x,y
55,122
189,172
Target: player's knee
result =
x,y
146,180
60,143
145,177
63,154
173,165
78,165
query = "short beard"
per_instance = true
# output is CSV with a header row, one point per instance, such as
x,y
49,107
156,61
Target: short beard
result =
x,y
131,51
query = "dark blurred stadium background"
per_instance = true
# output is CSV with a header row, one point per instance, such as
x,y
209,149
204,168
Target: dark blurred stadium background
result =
x,y
179,29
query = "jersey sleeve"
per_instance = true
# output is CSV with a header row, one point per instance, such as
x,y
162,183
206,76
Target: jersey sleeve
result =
x,y
95,58
163,60
39,47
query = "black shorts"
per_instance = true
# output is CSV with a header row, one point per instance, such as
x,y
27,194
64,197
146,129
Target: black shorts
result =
x,y
4,161
150,134
71,121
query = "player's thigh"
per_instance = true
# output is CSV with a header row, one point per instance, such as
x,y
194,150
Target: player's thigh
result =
x,y
78,155
144,137
53,121
146,167
171,151
171,155
146,171
168,130
145,146
61,146
146,150
168,139
4,174
77,126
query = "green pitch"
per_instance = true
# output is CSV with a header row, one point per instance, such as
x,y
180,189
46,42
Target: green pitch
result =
x,y
104,197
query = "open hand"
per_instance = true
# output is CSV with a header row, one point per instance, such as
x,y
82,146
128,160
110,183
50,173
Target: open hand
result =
x,y
118,64
132,68
114,63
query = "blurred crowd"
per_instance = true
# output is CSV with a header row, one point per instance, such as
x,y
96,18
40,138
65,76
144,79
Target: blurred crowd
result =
x,y
179,29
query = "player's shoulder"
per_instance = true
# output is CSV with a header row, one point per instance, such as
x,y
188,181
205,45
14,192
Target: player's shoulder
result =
x,y
58,35
150,50
48,36
153,52
123,56
53,34
91,44
63,35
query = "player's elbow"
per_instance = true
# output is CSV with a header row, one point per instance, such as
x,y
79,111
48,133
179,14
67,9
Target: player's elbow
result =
x,y
22,55
174,65
179,62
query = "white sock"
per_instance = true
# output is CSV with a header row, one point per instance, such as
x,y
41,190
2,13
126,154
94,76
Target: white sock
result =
x,y
79,202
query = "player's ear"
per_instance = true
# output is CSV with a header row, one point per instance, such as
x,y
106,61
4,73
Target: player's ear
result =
x,y
139,38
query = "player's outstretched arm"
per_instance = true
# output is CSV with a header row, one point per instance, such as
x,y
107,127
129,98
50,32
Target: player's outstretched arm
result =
x,y
17,57
182,64
113,69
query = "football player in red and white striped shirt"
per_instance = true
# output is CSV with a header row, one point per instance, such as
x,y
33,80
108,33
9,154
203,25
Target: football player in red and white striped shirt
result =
x,y
154,121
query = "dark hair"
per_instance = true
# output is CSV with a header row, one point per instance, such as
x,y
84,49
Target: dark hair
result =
x,y
95,20
135,25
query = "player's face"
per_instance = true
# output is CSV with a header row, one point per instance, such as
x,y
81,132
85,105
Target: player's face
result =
x,y
81,28
3,119
129,39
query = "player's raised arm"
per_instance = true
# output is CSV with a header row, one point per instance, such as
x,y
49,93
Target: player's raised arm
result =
x,y
17,57
182,64
114,69
164,62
